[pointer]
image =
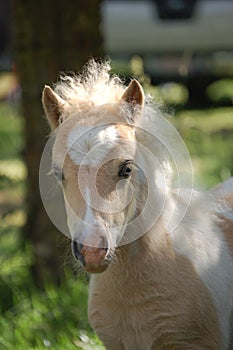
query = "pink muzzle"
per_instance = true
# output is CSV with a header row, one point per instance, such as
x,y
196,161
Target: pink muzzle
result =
x,y
93,259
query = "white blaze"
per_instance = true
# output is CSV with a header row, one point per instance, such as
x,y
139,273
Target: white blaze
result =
x,y
91,145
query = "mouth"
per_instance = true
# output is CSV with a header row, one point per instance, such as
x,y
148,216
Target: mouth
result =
x,y
95,269
93,259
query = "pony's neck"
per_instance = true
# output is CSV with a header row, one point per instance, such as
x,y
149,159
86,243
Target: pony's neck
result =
x,y
154,244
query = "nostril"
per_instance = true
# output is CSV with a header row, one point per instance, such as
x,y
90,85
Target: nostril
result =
x,y
76,250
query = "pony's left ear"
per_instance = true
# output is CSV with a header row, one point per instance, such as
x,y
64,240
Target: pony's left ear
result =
x,y
134,96
53,105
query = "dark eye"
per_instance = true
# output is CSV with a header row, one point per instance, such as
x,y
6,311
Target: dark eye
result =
x,y
125,170
57,172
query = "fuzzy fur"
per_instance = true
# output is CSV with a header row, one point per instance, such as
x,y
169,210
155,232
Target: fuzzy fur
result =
x,y
170,288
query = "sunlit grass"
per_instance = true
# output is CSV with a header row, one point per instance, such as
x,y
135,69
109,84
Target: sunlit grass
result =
x,y
15,218
8,81
221,90
13,169
207,121
52,319
11,129
208,136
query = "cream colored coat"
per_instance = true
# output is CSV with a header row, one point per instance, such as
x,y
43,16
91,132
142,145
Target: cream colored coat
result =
x,y
162,291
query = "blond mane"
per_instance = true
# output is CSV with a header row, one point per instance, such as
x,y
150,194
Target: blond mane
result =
x,y
93,86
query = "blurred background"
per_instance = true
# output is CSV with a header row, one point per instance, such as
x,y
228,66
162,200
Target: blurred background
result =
x,y
182,53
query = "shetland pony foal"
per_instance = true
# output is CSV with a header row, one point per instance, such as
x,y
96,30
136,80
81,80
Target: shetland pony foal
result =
x,y
150,288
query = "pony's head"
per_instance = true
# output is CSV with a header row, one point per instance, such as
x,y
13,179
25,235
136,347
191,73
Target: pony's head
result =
x,y
94,117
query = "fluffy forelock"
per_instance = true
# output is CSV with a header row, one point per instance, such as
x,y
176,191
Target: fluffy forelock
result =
x,y
93,86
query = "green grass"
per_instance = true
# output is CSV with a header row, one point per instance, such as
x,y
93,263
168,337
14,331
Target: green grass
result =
x,y
11,128
57,318
54,319
221,90
208,136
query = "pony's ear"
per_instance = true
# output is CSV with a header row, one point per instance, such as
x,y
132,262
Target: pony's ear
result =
x,y
53,105
134,96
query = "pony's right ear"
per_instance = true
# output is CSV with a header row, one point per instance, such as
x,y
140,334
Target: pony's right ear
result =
x,y
134,97
53,105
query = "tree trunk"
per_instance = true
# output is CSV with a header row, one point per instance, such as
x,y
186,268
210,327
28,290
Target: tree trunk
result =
x,y
49,37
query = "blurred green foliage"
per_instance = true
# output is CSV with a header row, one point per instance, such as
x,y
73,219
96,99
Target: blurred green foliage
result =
x,y
57,317
208,135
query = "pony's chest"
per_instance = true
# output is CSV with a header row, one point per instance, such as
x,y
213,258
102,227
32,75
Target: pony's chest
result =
x,y
143,314
126,315
120,322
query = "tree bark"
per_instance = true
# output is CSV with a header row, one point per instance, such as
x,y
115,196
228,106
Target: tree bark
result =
x,y
49,37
